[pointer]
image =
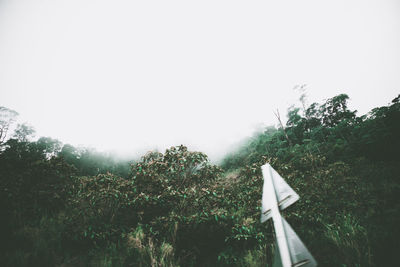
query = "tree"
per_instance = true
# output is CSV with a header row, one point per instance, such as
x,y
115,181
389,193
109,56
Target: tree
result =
x,y
7,118
50,147
23,132
335,110
70,154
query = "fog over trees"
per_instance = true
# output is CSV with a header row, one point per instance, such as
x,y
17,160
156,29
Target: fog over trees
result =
x,y
63,205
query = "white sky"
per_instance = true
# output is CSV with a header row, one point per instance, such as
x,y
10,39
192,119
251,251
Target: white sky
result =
x,y
132,75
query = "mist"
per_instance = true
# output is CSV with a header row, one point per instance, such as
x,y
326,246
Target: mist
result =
x,y
128,76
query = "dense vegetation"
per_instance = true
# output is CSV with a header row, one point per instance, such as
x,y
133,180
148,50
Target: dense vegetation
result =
x,y
63,206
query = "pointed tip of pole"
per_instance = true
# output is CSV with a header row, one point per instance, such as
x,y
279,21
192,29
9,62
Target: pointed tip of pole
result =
x,y
265,166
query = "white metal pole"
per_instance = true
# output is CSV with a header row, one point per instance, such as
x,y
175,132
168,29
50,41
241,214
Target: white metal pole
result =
x,y
276,216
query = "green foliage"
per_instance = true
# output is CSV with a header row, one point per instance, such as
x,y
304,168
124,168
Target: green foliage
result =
x,y
31,183
100,209
350,240
39,244
89,162
67,206
340,164
329,131
167,194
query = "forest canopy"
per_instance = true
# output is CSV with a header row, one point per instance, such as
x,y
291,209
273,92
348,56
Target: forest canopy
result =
x,y
66,206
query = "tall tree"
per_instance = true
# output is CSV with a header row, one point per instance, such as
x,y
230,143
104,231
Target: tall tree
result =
x,y
7,118
335,110
23,132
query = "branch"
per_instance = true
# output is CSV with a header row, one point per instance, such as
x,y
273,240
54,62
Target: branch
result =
x,y
278,116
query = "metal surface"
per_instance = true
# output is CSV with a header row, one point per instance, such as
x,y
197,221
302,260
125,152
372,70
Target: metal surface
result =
x,y
299,254
278,195
285,195
269,196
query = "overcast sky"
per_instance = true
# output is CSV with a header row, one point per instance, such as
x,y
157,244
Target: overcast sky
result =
x,y
134,75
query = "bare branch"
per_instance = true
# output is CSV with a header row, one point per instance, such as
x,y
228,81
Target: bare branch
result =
x,y
278,116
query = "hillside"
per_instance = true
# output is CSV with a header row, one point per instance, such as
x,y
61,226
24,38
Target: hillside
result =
x,y
63,206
